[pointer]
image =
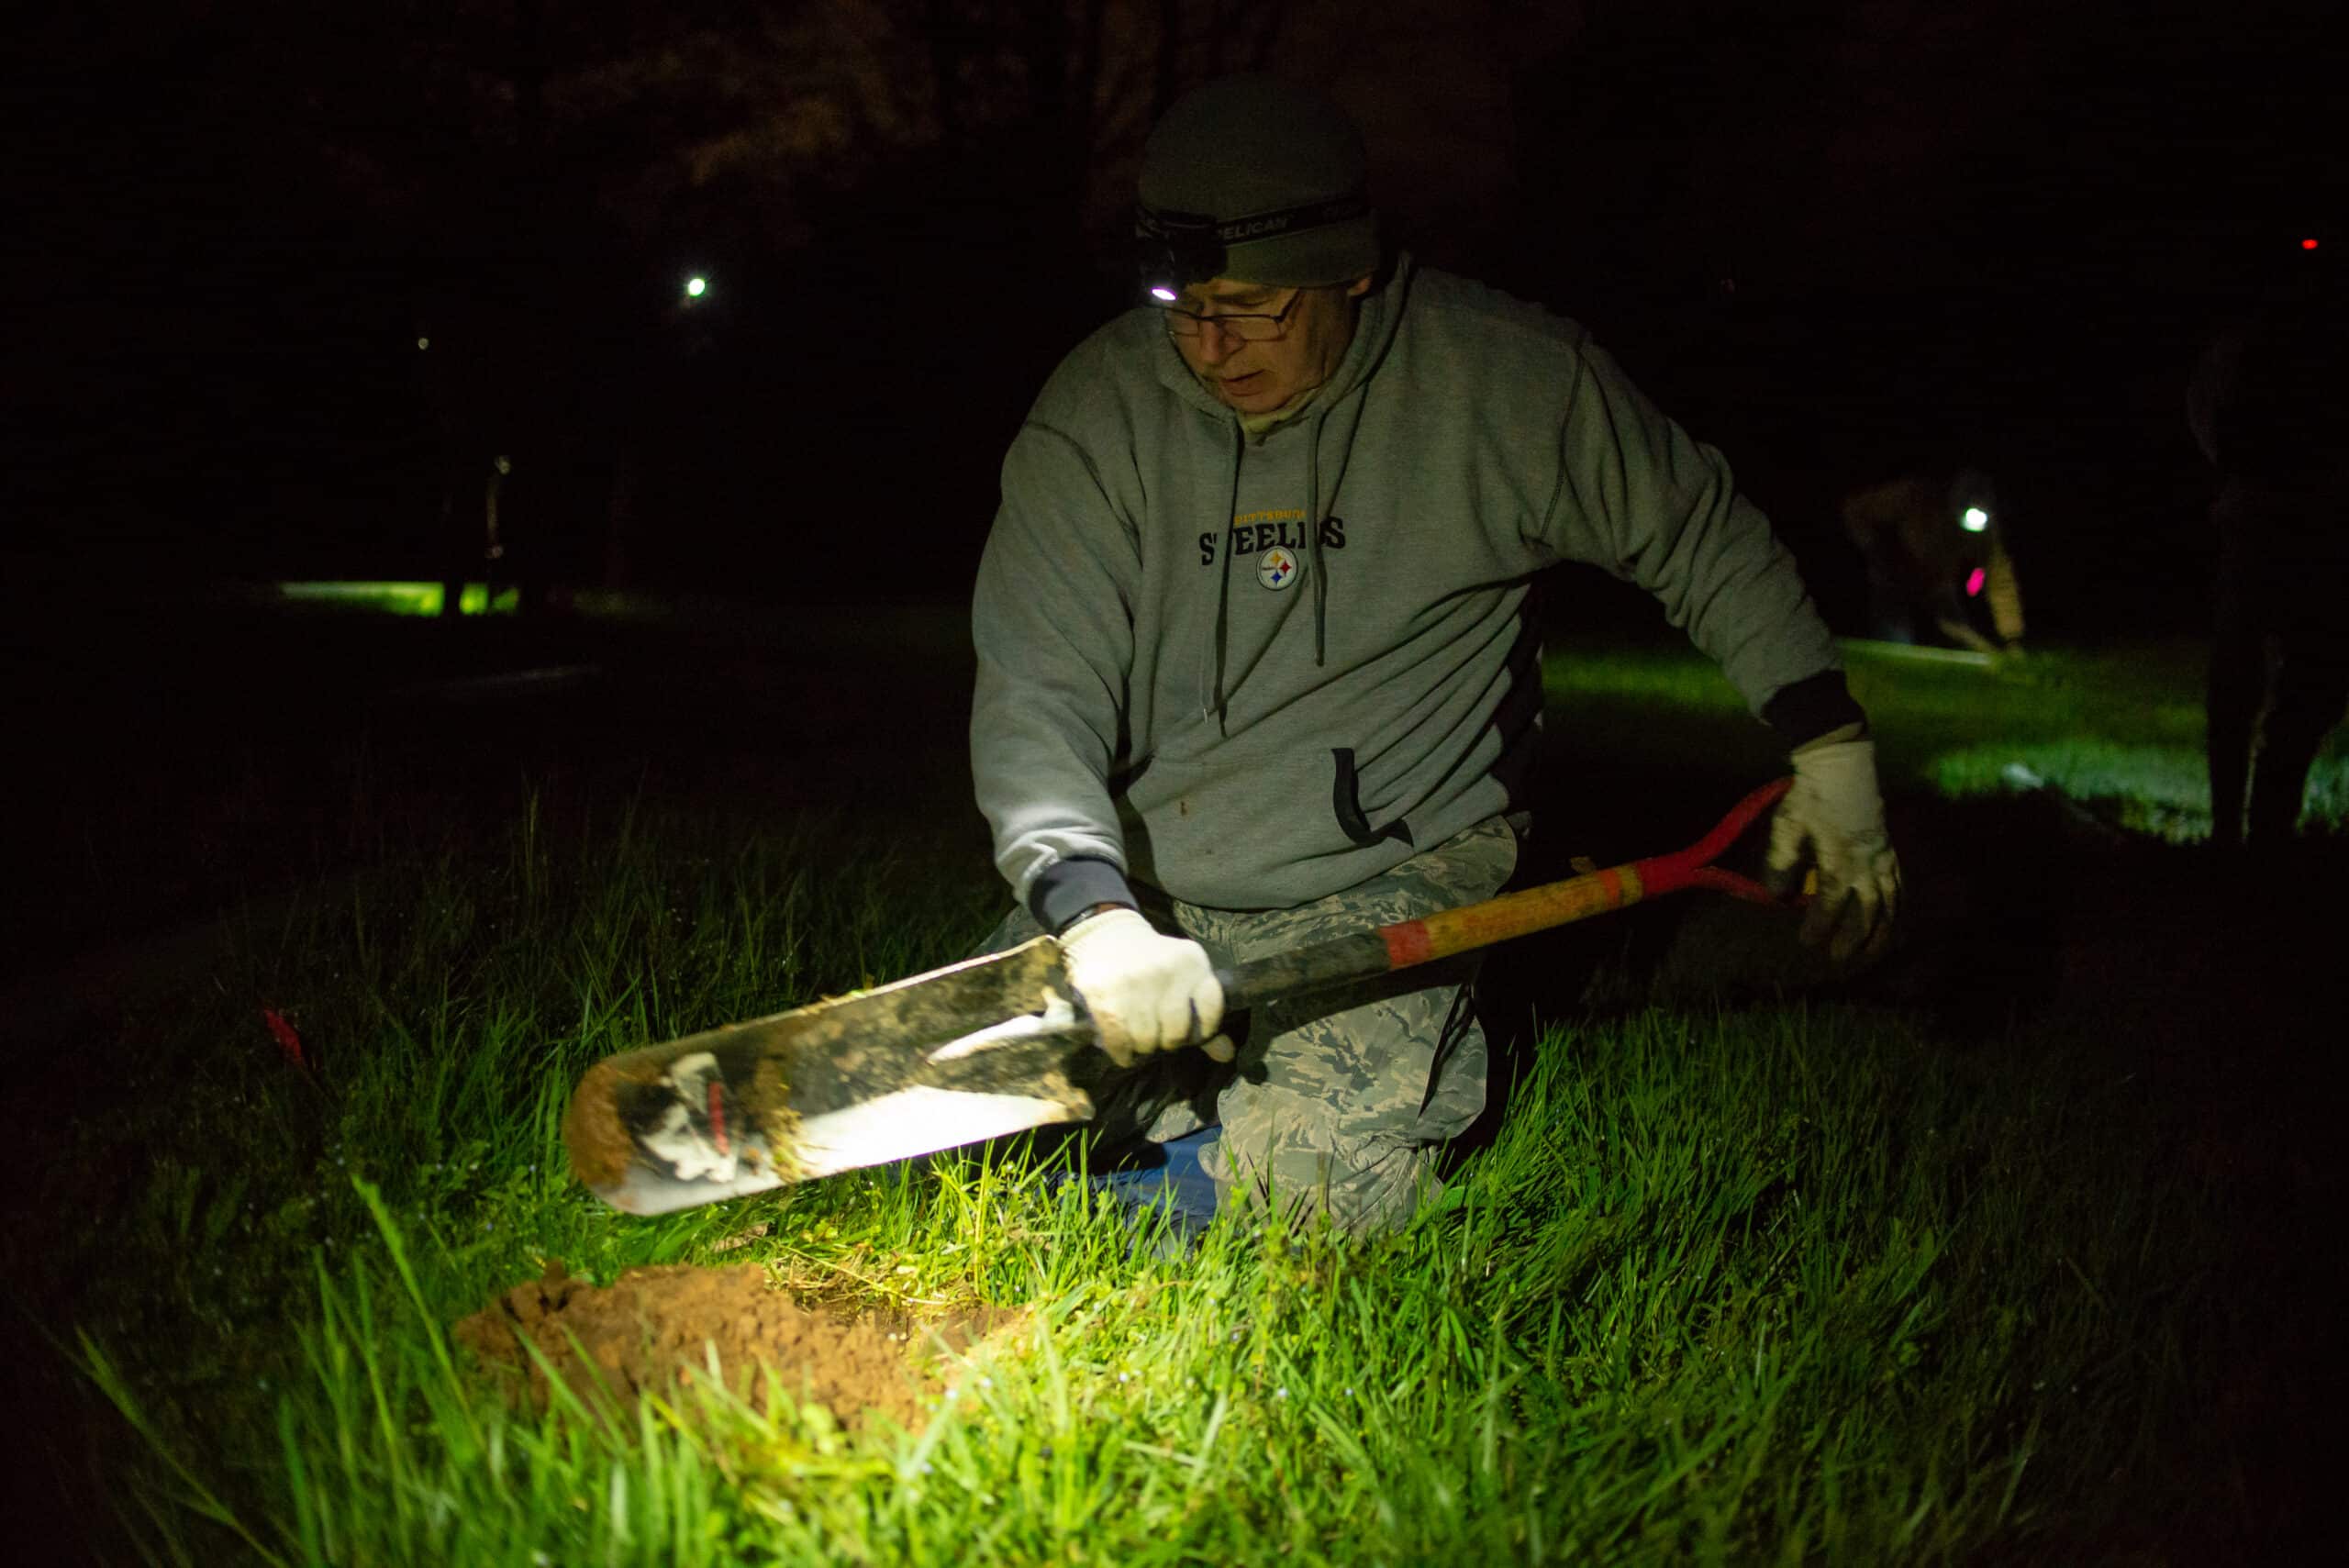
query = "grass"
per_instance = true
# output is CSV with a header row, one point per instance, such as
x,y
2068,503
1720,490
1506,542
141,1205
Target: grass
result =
x,y
2117,732
1789,1282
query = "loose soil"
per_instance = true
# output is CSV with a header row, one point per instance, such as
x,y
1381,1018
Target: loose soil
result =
x,y
602,1148
653,1329
599,1145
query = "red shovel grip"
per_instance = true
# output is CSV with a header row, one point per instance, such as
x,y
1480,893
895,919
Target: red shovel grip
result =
x,y
1693,867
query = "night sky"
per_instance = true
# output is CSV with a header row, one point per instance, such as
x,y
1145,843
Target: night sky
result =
x,y
1835,238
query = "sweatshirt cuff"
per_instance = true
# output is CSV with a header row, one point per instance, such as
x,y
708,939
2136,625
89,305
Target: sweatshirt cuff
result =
x,y
1066,889
1812,707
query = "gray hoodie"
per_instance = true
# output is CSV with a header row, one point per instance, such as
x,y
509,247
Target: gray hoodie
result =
x,y
1254,674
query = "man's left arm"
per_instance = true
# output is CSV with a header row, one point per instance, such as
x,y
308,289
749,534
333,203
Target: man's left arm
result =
x,y
1637,496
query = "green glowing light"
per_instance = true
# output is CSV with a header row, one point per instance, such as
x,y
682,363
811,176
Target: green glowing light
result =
x,y
384,598
477,601
1975,521
696,287
400,598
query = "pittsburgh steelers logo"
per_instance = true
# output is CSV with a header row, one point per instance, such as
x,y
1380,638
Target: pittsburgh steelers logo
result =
x,y
1277,568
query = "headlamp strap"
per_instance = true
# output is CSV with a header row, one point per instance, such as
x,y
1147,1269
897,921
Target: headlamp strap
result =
x,y
1175,227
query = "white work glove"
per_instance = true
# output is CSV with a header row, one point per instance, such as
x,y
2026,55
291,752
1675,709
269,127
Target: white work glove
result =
x,y
1833,818
1146,992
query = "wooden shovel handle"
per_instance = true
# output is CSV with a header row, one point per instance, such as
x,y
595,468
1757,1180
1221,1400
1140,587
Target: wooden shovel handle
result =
x,y
1343,960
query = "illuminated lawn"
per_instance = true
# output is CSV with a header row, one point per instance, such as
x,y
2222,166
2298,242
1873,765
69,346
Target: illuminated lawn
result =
x,y
1824,1278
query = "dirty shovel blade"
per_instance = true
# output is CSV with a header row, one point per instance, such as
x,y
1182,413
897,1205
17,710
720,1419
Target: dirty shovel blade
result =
x,y
975,1050
993,1045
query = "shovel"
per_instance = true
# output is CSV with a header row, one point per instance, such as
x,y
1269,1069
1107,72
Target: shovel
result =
x,y
987,1046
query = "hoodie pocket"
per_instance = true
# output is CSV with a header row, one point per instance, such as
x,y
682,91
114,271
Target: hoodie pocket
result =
x,y
1345,800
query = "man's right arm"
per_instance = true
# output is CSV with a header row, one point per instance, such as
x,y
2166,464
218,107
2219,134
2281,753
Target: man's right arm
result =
x,y
1053,623
1053,618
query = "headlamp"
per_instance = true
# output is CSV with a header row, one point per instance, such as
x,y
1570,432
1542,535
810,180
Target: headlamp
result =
x,y
1175,250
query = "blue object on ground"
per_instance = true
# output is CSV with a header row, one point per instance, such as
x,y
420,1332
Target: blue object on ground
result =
x,y
1166,1175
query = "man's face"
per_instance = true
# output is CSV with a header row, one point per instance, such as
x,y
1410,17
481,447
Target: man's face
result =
x,y
1257,377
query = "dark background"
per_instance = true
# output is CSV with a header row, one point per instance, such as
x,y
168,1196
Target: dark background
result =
x,y
1836,237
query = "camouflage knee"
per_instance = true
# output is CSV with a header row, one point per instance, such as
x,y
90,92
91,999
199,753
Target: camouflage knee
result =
x,y
1351,1106
1341,1096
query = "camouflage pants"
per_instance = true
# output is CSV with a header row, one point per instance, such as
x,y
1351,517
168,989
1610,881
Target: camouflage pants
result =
x,y
1338,1101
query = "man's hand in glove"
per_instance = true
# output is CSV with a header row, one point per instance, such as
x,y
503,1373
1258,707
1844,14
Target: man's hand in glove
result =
x,y
1146,993
1833,818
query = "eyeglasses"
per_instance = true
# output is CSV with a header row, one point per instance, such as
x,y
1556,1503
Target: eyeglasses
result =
x,y
1249,328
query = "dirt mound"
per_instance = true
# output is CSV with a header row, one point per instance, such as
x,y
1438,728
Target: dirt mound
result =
x,y
651,1329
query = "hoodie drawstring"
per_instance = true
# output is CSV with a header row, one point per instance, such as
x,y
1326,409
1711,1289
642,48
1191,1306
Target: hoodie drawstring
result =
x,y
1316,565
1223,585
1313,540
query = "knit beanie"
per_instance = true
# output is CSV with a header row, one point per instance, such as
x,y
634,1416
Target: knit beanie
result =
x,y
1260,181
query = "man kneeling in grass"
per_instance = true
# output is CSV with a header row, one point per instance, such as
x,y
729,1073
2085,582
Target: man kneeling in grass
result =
x,y
1254,661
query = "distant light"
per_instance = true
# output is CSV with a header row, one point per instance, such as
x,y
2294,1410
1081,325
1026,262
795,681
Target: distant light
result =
x,y
1163,292
696,287
1973,581
403,598
504,464
423,343
2308,244
476,599
385,598
1975,521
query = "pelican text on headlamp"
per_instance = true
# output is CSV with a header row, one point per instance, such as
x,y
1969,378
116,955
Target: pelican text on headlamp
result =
x,y
1340,210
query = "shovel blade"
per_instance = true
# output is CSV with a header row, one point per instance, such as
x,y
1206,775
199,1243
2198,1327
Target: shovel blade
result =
x,y
975,1050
